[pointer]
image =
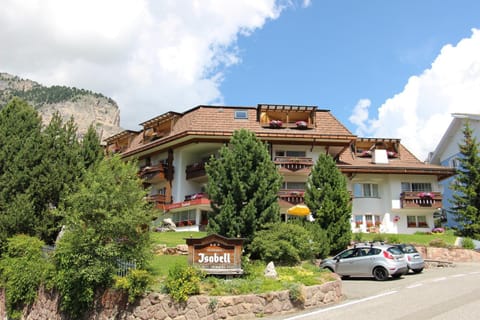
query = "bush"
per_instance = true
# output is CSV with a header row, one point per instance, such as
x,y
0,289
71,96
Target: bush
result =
x,y
22,269
135,283
378,237
440,243
358,237
393,238
467,243
284,244
182,282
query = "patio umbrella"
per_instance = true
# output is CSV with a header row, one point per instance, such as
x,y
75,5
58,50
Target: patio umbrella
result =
x,y
299,210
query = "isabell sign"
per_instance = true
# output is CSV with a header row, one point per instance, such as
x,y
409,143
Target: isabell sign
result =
x,y
215,254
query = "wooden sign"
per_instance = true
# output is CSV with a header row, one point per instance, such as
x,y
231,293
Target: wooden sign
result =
x,y
215,254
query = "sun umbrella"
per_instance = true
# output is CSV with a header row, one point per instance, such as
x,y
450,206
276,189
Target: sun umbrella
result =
x,y
299,210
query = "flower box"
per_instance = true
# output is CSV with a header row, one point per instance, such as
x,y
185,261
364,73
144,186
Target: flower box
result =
x,y
426,195
301,124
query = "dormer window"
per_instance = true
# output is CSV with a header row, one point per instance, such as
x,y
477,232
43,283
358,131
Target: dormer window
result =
x,y
241,114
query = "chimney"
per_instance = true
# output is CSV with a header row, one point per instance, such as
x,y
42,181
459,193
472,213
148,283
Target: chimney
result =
x,y
380,156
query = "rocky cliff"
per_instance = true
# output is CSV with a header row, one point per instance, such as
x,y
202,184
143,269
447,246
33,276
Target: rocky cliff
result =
x,y
85,106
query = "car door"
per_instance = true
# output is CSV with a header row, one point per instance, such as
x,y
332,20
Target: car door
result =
x,y
347,262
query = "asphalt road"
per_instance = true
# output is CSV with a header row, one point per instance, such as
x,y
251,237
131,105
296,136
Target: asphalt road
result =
x,y
437,293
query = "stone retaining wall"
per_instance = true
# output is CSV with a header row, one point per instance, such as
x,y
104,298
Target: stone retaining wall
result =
x,y
113,305
449,254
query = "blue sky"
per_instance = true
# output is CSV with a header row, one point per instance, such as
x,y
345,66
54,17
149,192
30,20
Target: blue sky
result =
x,y
389,69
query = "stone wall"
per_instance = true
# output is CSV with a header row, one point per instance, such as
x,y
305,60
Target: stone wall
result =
x,y
449,254
113,305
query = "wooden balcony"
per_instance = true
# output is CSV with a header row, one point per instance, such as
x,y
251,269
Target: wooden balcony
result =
x,y
415,199
195,170
293,196
158,199
294,163
155,173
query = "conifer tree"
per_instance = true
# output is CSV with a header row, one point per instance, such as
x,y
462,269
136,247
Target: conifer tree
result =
x,y
91,148
243,185
20,154
466,198
329,201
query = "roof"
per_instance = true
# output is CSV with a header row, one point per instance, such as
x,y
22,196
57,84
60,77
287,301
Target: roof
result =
x,y
405,163
218,123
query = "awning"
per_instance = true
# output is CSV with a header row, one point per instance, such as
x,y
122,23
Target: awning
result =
x,y
299,210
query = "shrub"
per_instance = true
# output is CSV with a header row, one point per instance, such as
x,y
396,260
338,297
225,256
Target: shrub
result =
x,y
437,242
182,282
393,238
296,293
378,237
135,283
284,244
358,236
467,243
22,269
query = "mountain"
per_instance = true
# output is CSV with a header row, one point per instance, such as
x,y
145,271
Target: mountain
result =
x,y
85,106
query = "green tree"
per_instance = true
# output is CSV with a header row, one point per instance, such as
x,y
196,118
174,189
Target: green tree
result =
x,y
329,200
107,222
243,185
20,146
466,196
91,148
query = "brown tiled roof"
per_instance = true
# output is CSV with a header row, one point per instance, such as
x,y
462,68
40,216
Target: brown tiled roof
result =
x,y
218,122
406,163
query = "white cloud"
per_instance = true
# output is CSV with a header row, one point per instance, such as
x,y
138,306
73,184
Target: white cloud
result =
x,y
421,113
150,56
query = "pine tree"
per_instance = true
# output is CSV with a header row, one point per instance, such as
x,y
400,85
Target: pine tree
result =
x,y
91,148
243,185
20,145
329,201
466,198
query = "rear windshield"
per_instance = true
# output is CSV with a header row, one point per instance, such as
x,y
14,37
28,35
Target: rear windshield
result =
x,y
409,249
394,250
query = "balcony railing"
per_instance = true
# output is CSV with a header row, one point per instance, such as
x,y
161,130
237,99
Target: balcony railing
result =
x,y
195,170
154,173
158,199
293,196
415,199
294,163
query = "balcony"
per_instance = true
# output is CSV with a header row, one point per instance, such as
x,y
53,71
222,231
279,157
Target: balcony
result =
x,y
158,199
294,164
415,199
196,170
293,196
155,173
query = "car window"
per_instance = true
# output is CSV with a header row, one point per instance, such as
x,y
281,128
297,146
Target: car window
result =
x,y
347,254
409,249
374,251
394,250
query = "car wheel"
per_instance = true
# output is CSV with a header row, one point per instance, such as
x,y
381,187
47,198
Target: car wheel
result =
x,y
380,274
417,270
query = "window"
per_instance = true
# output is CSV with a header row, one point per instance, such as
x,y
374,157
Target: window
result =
x,y
290,153
293,185
454,163
184,218
241,114
416,186
417,222
365,190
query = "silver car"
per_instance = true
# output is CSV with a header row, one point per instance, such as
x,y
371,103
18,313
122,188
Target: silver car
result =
x,y
379,261
414,259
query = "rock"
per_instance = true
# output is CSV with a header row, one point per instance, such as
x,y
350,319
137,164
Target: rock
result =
x,y
270,271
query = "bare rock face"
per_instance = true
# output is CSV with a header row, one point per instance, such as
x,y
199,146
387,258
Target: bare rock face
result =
x,y
86,107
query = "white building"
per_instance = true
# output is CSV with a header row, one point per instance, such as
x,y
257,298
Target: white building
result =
x,y
392,190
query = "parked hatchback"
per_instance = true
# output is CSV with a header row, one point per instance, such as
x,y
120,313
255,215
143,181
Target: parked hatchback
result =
x,y
379,261
414,259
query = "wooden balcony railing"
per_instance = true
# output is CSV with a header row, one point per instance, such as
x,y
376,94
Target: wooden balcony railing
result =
x,y
195,170
158,199
154,173
294,163
293,196
415,199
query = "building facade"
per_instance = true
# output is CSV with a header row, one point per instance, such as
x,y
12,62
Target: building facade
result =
x,y
392,191
447,154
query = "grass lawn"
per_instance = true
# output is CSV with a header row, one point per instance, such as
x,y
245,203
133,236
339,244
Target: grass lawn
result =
x,y
419,238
